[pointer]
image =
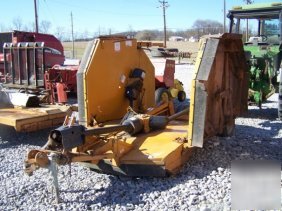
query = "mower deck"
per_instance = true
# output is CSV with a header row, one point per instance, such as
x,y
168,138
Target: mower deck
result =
x,y
154,154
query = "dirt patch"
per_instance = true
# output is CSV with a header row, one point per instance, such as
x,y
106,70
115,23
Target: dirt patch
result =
x,y
182,46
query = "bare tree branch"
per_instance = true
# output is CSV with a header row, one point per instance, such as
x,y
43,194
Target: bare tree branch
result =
x,y
17,23
44,26
60,33
248,1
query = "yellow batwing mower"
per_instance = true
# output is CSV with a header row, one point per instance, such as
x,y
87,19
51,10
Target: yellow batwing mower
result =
x,y
119,129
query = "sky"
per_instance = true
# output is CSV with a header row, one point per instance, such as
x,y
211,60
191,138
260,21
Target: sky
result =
x,y
92,16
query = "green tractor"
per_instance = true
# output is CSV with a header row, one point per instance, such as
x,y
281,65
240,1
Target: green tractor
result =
x,y
263,49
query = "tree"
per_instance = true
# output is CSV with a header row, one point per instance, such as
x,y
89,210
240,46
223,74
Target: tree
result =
x,y
30,27
2,27
204,27
146,35
248,1
85,34
82,36
60,33
100,31
44,26
17,23
130,31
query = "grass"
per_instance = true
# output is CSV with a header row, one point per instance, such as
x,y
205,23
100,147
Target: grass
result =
x,y
79,48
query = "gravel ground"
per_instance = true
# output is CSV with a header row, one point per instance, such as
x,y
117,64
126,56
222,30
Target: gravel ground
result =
x,y
204,183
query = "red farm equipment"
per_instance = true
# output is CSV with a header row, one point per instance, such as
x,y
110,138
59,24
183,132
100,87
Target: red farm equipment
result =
x,y
30,43
32,78
167,87
33,62
61,79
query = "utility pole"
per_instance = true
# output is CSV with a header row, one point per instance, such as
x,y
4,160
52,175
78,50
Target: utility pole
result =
x,y
164,5
72,36
36,16
224,14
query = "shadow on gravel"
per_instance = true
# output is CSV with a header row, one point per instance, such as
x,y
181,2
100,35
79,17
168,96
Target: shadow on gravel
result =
x,y
249,143
128,191
264,113
217,155
262,140
10,138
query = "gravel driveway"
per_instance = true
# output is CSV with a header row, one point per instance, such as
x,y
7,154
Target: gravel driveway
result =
x,y
204,183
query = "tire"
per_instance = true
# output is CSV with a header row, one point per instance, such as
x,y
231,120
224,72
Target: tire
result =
x,y
161,95
157,53
172,50
181,96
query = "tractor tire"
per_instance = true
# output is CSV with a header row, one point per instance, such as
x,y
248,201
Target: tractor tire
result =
x,y
181,96
162,95
280,98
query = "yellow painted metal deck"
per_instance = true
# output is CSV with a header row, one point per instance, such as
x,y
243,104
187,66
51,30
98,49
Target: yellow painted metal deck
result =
x,y
160,147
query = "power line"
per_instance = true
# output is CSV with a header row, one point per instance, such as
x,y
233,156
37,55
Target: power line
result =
x,y
79,6
48,12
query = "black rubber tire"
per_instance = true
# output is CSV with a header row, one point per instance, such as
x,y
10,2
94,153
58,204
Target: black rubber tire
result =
x,y
181,96
157,53
172,50
159,95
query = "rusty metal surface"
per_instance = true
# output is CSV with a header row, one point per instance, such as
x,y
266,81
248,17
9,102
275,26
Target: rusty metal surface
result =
x,y
223,75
